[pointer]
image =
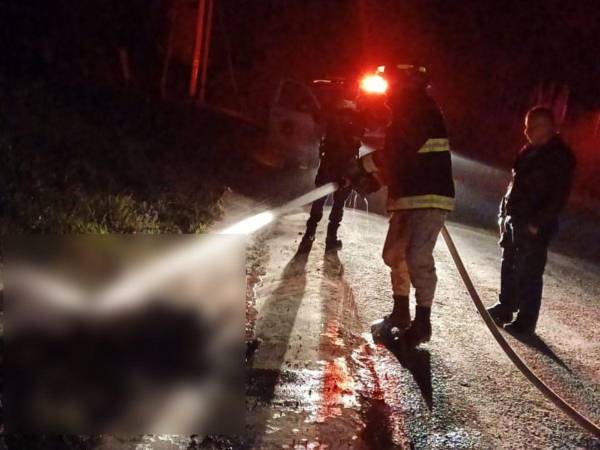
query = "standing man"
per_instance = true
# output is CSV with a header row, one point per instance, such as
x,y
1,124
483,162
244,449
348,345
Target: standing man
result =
x,y
416,166
339,148
528,219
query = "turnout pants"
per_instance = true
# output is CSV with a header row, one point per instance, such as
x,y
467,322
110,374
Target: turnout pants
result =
x,y
408,251
335,217
523,262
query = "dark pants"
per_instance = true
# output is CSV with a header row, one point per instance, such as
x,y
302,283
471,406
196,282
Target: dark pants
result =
x,y
335,217
523,262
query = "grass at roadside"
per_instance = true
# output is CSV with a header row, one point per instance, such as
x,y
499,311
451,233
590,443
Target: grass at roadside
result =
x,y
82,160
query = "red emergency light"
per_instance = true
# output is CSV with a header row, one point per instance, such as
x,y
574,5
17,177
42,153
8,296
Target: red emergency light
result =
x,y
374,84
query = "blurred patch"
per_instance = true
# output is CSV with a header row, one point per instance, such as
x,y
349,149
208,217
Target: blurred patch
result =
x,y
124,335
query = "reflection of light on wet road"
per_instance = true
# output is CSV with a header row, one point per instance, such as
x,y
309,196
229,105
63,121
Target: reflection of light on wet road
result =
x,y
337,390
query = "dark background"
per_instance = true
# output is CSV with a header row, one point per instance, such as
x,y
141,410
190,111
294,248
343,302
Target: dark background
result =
x,y
489,60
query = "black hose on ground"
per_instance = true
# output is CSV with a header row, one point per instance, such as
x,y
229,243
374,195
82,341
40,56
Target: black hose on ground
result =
x,y
582,420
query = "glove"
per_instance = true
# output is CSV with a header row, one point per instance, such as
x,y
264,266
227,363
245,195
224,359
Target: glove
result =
x,y
359,179
367,184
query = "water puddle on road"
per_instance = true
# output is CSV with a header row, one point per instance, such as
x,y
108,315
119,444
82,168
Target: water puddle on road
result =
x,y
340,405
318,381
364,400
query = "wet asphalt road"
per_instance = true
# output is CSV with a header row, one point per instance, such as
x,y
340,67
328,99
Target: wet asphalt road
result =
x,y
318,380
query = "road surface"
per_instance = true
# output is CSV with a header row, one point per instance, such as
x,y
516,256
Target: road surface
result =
x,y
318,381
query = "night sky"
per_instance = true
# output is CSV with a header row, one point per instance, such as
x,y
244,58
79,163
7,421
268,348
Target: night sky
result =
x,y
487,58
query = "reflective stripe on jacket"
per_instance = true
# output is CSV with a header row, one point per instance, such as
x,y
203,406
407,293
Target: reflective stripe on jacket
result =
x,y
420,202
435,145
416,162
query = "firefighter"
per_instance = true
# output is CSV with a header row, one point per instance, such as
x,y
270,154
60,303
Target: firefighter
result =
x,y
338,148
415,165
541,182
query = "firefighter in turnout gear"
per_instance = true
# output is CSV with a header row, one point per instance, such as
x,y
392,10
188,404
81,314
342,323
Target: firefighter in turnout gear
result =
x,y
528,219
338,149
415,165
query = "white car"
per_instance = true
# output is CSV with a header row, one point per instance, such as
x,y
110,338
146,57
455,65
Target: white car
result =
x,y
295,128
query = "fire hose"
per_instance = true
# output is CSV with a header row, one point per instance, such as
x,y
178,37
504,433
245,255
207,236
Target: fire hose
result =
x,y
258,221
558,401
548,392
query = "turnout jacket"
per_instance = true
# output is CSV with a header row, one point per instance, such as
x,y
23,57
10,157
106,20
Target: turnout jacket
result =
x,y
415,162
541,183
340,145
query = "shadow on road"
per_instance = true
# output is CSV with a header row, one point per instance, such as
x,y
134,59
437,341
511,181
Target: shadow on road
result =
x,y
377,432
287,297
342,322
418,362
537,343
332,266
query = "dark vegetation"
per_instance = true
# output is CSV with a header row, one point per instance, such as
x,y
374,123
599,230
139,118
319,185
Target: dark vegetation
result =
x,y
83,158
92,160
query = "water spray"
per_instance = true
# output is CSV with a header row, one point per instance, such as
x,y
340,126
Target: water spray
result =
x,y
132,287
254,223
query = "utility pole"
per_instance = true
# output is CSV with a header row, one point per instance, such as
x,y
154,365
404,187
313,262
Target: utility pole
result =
x,y
230,67
173,9
206,52
197,48
124,63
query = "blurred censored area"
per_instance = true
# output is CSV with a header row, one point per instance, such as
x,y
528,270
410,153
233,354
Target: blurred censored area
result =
x,y
120,334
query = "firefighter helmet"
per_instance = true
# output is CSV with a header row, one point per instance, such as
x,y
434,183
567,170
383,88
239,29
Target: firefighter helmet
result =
x,y
334,94
409,75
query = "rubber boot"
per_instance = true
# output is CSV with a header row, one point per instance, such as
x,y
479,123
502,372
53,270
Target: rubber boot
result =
x,y
400,316
521,326
331,241
419,331
395,323
500,314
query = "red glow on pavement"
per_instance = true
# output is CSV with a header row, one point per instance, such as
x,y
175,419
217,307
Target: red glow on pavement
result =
x,y
347,381
335,385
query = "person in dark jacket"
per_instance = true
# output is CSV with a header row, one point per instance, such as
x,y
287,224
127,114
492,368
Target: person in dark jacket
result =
x,y
528,219
339,147
416,166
